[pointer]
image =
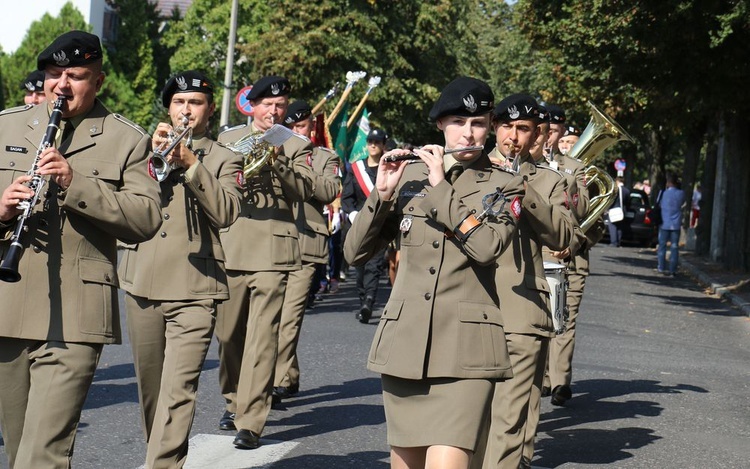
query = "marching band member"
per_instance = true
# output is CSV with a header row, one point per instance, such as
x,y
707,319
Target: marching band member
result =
x,y
55,320
358,184
34,87
312,225
575,257
262,248
440,344
522,286
175,280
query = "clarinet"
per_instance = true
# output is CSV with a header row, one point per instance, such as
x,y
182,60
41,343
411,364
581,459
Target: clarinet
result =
x,y
9,265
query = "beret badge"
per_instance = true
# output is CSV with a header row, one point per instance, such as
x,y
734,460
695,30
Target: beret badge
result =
x,y
61,59
470,104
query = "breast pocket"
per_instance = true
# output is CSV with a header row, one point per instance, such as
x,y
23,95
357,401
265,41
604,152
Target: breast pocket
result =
x,y
284,246
13,165
482,337
105,171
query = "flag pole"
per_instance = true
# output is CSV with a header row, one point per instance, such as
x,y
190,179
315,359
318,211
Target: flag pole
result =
x,y
331,93
351,79
372,83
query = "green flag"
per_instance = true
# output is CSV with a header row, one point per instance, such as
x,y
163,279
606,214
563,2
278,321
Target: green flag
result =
x,y
338,133
359,147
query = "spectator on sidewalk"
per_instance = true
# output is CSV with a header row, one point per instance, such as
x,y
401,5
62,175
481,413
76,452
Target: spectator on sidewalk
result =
x,y
695,209
669,231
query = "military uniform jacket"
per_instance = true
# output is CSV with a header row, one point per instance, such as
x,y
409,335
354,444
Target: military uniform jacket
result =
x,y
311,223
68,289
185,260
442,318
265,236
521,283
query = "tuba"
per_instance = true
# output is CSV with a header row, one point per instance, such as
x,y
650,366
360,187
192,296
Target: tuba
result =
x,y
601,133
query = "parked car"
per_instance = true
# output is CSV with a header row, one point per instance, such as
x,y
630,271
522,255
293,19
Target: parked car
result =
x,y
638,229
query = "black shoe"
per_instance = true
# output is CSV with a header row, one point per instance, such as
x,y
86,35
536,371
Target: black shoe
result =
x,y
285,392
561,394
546,391
227,421
364,314
246,439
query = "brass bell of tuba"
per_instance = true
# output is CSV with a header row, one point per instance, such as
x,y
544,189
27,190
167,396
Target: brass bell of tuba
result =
x,y
601,133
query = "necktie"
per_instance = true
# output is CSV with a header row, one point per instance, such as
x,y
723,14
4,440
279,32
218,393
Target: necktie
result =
x,y
66,129
454,173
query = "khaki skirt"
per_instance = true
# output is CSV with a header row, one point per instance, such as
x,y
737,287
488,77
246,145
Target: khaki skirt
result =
x,y
435,411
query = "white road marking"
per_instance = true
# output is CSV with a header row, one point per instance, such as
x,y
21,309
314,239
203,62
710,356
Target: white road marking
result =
x,y
217,451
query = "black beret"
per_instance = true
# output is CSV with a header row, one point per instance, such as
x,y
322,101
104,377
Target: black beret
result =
x,y
464,96
377,135
572,130
269,86
186,82
515,107
556,114
544,114
72,49
297,111
34,82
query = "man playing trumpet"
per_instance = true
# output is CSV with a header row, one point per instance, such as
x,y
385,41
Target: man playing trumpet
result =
x,y
175,280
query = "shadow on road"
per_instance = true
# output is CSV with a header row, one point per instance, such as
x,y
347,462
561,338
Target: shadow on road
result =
x,y
364,459
565,444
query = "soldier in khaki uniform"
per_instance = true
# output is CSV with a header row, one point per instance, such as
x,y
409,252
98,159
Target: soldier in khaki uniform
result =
x,y
55,320
261,247
312,225
174,281
522,287
440,344
34,87
575,257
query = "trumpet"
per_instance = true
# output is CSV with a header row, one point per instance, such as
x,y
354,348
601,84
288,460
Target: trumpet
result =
x,y
414,156
161,166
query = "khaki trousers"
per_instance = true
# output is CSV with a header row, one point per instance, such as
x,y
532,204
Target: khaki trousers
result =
x,y
43,386
515,406
248,331
170,341
562,346
292,313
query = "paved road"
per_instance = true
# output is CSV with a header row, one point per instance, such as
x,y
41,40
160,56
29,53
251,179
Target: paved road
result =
x,y
662,379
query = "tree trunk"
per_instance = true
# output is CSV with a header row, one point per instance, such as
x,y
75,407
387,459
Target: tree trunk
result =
x,y
736,247
703,230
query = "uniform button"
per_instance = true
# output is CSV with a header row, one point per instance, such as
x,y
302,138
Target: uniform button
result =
x,y
480,175
37,249
12,163
107,278
433,211
95,172
82,204
533,205
411,209
432,270
166,216
436,244
427,296
484,315
163,234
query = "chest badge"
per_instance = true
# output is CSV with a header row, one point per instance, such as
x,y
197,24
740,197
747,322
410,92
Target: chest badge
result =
x,y
405,224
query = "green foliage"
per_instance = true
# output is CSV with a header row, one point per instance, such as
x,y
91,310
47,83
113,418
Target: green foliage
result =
x,y
41,33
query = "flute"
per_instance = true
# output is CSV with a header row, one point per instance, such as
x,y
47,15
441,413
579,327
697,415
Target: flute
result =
x,y
414,156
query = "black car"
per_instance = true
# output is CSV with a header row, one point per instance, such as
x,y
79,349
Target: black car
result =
x,y
638,227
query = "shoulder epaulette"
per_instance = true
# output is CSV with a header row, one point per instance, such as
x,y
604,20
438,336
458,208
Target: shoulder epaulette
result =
x,y
550,169
12,110
129,123
327,150
236,127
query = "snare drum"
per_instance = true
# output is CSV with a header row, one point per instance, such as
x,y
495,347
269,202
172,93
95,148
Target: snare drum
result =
x,y
555,274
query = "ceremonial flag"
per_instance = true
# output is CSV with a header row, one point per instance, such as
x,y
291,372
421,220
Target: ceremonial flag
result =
x,y
339,133
359,147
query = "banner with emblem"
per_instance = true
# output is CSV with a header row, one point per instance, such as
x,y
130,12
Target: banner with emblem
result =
x,y
359,147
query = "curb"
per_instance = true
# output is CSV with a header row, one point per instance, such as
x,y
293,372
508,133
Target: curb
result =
x,y
716,288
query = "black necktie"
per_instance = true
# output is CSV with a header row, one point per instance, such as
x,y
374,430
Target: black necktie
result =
x,y
454,173
67,130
